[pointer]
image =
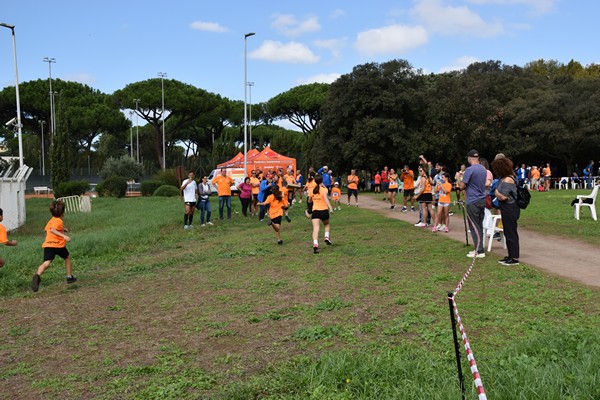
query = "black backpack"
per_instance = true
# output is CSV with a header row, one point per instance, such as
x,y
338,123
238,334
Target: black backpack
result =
x,y
523,197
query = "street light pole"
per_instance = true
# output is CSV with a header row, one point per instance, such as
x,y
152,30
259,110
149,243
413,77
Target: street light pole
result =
x,y
19,125
137,130
250,142
52,121
162,85
42,123
246,36
131,134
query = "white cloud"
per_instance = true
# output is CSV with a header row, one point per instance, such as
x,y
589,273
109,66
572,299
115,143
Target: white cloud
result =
x,y
208,26
449,20
319,78
333,45
292,52
539,6
288,25
459,64
338,12
81,77
391,39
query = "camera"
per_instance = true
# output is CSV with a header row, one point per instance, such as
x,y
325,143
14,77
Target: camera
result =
x,y
11,122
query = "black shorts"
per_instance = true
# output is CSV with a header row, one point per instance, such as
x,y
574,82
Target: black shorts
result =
x,y
323,215
409,192
255,196
51,252
190,203
353,192
378,185
276,220
393,190
425,198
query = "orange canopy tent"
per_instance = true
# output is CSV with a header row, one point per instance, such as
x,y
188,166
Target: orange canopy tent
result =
x,y
264,160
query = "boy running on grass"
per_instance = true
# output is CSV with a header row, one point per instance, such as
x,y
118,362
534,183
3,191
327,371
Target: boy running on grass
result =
x,y
277,204
55,244
3,238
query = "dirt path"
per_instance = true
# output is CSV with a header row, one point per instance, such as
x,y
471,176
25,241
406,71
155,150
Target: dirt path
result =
x,y
565,257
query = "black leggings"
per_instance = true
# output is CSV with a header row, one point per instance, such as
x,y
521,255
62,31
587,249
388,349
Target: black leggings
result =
x,y
245,204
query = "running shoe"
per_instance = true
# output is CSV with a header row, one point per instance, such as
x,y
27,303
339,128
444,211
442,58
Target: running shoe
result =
x,y
209,223
315,249
280,242
287,218
328,241
412,209
502,261
71,279
446,229
420,225
510,262
404,209
474,254
35,282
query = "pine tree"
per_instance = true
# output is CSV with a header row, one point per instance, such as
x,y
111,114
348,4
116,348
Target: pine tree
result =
x,y
59,151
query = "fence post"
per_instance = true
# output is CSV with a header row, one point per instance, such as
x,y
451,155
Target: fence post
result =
x,y
456,345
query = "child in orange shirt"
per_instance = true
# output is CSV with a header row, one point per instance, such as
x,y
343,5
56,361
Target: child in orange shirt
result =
x,y
443,204
3,238
55,244
336,196
277,204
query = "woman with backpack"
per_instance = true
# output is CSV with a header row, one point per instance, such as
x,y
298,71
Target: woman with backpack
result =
x,y
506,193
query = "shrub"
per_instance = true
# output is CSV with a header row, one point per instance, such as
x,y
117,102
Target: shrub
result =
x,y
166,191
168,177
125,167
114,186
73,188
149,187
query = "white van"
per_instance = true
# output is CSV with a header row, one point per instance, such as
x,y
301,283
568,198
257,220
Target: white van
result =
x,y
236,173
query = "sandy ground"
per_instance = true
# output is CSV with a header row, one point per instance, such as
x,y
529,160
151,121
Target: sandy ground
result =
x,y
566,257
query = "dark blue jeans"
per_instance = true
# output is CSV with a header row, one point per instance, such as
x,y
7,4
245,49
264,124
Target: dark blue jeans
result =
x,y
476,212
204,207
224,200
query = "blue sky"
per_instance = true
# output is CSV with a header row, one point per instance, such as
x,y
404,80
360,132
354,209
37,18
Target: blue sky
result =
x,y
108,44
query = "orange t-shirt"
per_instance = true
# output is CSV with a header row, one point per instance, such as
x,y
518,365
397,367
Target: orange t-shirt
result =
x,y
53,240
275,206
285,191
547,172
318,200
535,174
310,186
3,236
393,178
427,188
408,179
444,189
336,193
255,181
223,184
352,182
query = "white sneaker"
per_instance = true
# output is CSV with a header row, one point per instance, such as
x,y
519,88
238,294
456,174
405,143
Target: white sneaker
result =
x,y
420,225
186,227
209,223
475,254
203,225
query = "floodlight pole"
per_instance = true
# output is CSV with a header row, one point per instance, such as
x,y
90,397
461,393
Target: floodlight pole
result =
x,y
162,84
19,125
52,120
42,123
250,84
246,36
131,133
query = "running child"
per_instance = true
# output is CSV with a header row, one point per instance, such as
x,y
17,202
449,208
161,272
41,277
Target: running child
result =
x,y
55,244
4,238
336,195
321,207
444,191
277,203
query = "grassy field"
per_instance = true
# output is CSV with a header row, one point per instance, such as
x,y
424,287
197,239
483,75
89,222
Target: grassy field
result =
x,y
224,313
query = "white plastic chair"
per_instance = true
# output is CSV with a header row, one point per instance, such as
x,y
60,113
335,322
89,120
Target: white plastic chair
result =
x,y
575,185
562,183
592,205
490,227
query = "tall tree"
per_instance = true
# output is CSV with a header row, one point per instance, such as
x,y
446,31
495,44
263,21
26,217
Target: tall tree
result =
x,y
59,151
300,105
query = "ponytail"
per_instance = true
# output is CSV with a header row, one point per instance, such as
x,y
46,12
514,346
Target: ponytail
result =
x,y
318,181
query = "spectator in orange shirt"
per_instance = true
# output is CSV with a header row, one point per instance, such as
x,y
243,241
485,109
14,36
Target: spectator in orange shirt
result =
x,y
408,183
535,178
255,183
547,173
3,238
377,182
444,201
392,187
353,186
336,195
223,183
54,245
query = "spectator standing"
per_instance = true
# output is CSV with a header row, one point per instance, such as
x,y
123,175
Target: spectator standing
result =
x,y
265,190
458,178
245,189
385,183
223,183
189,188
353,187
506,192
324,172
535,178
336,196
377,182
474,182
408,183
521,175
547,175
392,188
255,183
588,173
203,204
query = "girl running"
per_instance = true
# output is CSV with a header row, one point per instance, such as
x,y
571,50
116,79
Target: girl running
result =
x,y
320,212
277,203
55,244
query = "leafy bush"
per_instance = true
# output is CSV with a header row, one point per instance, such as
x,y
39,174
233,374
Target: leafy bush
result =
x,y
168,177
125,167
114,186
149,187
73,188
166,191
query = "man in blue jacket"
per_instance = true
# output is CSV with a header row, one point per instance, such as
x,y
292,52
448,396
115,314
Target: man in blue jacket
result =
x,y
324,171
